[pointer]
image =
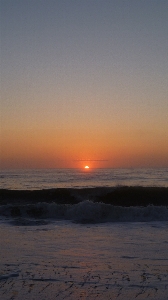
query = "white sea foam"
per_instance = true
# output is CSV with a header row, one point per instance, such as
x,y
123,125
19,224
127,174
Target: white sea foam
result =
x,y
85,212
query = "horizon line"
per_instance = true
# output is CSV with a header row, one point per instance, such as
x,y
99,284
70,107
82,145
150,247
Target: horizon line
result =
x,y
90,160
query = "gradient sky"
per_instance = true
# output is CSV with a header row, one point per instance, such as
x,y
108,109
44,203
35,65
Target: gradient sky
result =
x,y
84,80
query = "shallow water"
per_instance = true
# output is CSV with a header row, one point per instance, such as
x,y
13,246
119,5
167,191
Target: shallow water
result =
x,y
63,260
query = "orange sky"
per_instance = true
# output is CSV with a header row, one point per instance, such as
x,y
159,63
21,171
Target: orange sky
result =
x,y
84,84
29,149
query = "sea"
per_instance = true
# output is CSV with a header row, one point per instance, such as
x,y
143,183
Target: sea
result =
x,y
84,234
82,178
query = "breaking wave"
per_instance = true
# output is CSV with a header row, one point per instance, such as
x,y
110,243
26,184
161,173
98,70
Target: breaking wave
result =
x,y
86,205
83,212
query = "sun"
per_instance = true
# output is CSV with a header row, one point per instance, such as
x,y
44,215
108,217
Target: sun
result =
x,y
86,167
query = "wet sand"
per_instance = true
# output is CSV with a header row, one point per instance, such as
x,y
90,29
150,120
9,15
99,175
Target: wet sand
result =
x,y
71,261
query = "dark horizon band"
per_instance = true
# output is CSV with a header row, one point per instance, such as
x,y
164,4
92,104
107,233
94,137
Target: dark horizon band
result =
x,y
90,160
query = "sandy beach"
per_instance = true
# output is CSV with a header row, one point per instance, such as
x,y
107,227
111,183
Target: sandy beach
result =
x,y
63,260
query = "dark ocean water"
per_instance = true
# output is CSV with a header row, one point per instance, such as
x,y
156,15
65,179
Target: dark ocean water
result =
x,y
78,178
85,196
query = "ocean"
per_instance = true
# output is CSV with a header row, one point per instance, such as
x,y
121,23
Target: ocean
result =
x,y
82,178
84,234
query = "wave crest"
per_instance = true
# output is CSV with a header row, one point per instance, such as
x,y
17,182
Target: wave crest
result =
x,y
84,212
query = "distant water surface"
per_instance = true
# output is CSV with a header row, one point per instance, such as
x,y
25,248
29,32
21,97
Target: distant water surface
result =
x,y
78,178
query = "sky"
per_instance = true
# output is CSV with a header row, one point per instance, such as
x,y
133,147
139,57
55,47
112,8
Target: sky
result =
x,y
84,82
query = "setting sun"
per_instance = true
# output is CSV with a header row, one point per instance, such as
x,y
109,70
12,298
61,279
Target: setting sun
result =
x,y
86,167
